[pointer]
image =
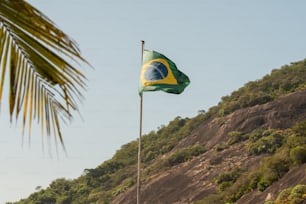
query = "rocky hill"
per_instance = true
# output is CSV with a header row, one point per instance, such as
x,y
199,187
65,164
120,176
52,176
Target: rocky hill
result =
x,y
248,149
193,180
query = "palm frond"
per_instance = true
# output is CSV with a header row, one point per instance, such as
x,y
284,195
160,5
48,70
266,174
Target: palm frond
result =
x,y
38,57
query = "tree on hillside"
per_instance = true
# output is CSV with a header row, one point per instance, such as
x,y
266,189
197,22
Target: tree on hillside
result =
x,y
37,64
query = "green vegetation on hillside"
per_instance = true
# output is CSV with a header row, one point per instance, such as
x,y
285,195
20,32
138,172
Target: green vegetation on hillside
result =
x,y
282,149
282,81
293,195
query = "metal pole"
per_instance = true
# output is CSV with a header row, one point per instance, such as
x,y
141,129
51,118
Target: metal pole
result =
x,y
139,139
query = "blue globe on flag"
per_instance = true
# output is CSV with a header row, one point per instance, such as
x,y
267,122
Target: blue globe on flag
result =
x,y
155,71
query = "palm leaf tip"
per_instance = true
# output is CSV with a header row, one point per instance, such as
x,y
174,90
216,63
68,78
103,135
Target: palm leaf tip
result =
x,y
43,82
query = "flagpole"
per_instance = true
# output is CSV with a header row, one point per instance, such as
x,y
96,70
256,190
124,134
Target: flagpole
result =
x,y
140,135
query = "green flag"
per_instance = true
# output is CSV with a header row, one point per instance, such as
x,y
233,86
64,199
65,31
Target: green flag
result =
x,y
160,73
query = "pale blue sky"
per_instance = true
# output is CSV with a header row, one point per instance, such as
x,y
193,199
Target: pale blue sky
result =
x,y
220,45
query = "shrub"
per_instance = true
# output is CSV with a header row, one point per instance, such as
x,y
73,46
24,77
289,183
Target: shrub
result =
x,y
294,195
221,147
256,135
186,154
300,128
294,141
278,165
298,155
297,194
263,184
283,196
236,136
227,179
267,144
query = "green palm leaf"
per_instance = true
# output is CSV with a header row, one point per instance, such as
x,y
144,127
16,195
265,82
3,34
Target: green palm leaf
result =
x,y
36,57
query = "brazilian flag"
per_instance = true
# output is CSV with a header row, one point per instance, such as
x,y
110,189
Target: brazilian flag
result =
x,y
160,73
